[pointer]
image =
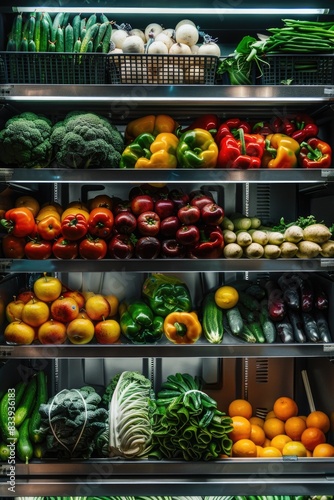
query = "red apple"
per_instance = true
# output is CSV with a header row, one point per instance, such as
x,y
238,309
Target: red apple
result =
x,y
142,203
64,309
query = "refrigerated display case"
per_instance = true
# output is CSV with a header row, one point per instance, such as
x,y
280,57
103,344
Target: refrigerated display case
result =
x,y
257,372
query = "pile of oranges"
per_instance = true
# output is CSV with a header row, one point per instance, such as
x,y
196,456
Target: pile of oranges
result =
x,y
282,432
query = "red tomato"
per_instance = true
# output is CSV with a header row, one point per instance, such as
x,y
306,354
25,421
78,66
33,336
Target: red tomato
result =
x,y
93,248
74,226
100,222
148,223
13,247
65,249
38,249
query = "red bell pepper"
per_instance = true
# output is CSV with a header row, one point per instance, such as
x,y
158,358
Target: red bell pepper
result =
x,y
243,153
231,127
208,122
262,128
74,227
19,221
283,125
211,244
315,153
305,128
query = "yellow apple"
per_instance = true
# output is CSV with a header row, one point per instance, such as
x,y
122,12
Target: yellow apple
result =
x,y
52,332
76,295
107,331
113,302
18,332
64,309
80,331
47,288
14,310
97,307
35,312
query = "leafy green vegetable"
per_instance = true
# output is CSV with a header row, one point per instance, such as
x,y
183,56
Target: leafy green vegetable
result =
x,y
190,426
301,222
130,416
70,421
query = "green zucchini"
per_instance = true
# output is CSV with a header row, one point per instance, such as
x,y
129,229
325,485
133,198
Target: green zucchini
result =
x,y
256,329
212,319
268,326
246,313
247,335
26,404
41,398
249,301
234,320
24,447
69,38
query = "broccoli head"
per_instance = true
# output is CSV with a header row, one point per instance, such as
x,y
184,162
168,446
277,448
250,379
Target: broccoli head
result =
x,y
86,140
25,141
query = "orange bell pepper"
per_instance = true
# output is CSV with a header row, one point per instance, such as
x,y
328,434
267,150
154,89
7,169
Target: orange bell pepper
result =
x,y
152,124
182,327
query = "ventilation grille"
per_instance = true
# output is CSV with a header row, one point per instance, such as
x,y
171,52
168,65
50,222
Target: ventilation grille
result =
x,y
262,366
263,201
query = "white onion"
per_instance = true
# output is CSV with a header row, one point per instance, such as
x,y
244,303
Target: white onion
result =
x,y
180,48
138,32
153,27
188,34
157,47
194,49
118,37
166,39
209,49
184,21
133,45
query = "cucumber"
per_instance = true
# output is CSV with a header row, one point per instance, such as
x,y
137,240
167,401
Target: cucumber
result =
x,y
246,335
31,46
100,34
268,326
4,452
91,21
60,40
256,329
90,46
235,321
45,35
69,38
37,33
31,27
212,320
7,410
17,30
41,398
24,447
249,301
89,37
246,313
106,39
26,404
57,21
103,19
11,45
52,46
76,22
77,45
24,45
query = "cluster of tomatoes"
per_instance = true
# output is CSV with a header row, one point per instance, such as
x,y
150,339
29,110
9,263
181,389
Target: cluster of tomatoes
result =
x,y
153,222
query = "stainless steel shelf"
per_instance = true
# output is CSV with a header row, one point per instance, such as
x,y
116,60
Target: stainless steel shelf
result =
x,y
167,265
290,476
178,176
158,96
230,348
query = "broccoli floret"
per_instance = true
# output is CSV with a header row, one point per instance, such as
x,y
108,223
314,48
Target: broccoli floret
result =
x,y
87,140
25,141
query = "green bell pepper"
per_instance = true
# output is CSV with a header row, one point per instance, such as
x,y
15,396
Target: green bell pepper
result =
x,y
139,324
166,294
197,149
139,148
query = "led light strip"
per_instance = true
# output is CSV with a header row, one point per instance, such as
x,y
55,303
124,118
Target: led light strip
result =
x,y
175,11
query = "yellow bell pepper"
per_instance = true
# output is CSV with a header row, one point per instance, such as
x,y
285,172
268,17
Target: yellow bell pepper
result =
x,y
280,151
182,327
163,151
152,124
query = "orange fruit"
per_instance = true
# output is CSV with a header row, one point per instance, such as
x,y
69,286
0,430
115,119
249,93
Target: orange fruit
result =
x,y
272,427
294,427
226,297
270,451
294,448
323,450
318,419
270,414
241,428
311,437
279,441
241,408
244,448
257,421
257,435
285,407
259,450
267,442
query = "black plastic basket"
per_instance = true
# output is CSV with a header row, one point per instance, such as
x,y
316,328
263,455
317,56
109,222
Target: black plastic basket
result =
x,y
53,68
160,69
298,69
